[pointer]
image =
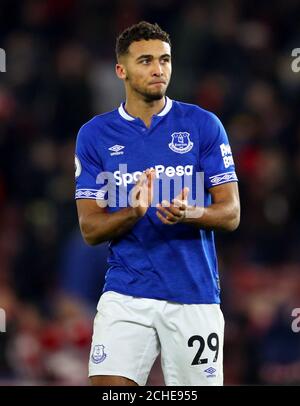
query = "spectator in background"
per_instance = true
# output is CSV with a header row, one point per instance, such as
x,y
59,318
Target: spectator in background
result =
x,y
82,269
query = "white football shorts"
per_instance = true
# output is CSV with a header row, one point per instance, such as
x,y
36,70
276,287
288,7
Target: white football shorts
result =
x,y
130,332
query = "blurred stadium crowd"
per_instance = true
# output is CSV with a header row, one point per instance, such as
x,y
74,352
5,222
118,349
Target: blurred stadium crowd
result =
x,y
230,57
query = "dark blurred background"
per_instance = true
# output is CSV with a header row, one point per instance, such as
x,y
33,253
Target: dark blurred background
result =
x,y
230,57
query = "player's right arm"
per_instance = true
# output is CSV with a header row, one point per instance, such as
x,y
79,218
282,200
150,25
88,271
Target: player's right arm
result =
x,y
98,225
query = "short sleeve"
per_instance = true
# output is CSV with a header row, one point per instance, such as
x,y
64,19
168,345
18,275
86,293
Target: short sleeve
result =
x,y
88,164
215,154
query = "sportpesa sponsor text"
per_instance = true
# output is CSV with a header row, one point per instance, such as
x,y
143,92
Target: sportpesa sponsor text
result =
x,y
125,179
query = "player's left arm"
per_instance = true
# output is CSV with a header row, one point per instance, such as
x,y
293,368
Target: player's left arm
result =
x,y
222,214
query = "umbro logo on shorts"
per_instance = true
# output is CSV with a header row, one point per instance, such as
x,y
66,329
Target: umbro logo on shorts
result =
x,y
211,372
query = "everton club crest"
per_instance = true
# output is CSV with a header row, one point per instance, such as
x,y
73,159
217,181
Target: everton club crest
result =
x,y
98,354
181,142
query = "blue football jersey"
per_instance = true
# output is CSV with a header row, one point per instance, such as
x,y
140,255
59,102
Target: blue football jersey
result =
x,y
171,262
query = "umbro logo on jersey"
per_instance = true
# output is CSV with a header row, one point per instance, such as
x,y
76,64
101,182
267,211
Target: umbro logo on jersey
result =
x,y
116,150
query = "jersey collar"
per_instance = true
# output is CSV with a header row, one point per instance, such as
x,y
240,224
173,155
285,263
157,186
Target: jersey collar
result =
x,y
167,107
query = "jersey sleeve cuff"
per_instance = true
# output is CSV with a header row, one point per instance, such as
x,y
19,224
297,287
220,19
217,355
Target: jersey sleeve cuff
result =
x,y
222,178
89,194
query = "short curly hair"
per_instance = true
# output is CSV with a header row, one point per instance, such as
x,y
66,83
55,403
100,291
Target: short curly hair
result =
x,y
138,32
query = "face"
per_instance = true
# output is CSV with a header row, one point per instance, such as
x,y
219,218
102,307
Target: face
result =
x,y
146,68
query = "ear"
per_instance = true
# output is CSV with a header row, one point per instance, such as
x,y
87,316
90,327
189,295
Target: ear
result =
x,y
121,71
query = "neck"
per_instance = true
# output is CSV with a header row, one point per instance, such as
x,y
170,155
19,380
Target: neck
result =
x,y
142,109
